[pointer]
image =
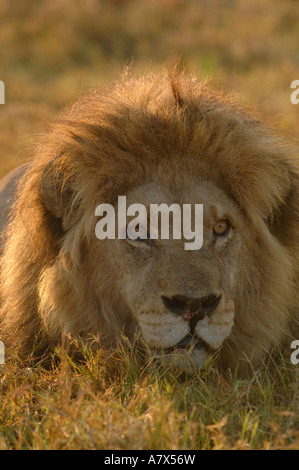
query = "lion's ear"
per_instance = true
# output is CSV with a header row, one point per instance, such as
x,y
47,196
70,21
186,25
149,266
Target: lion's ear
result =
x,y
55,190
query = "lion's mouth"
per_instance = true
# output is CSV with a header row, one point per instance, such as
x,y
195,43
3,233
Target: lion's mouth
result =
x,y
190,342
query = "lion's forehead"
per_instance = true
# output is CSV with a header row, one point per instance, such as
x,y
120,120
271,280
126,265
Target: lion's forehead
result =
x,y
216,203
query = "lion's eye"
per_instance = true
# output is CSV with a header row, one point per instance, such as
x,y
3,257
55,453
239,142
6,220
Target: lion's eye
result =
x,y
141,241
221,227
148,241
143,236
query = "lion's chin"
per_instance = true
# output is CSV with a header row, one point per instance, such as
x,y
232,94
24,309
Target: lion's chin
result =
x,y
188,359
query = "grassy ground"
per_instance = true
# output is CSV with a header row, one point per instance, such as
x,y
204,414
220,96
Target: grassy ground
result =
x,y
123,400
52,52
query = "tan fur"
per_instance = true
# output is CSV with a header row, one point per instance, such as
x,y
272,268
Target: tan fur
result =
x,y
188,143
8,186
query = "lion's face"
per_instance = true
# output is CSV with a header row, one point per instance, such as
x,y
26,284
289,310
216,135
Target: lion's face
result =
x,y
167,141
183,301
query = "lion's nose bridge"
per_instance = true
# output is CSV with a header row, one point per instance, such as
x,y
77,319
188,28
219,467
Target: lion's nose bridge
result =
x,y
193,275
195,283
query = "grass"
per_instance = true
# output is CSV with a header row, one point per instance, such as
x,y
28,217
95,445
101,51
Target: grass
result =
x,y
123,400
51,53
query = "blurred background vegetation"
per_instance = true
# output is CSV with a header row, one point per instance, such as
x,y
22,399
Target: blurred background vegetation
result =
x,y
52,51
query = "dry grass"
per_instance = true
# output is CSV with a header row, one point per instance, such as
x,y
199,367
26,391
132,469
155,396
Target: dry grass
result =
x,y
123,400
52,52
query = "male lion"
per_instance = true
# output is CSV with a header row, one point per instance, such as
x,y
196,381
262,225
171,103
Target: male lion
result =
x,y
156,139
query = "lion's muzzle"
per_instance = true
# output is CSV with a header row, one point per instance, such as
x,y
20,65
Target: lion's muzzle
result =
x,y
193,310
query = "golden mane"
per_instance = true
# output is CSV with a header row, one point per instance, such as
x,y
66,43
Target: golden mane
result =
x,y
111,141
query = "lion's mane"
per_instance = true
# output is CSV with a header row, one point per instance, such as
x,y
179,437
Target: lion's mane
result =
x,y
112,140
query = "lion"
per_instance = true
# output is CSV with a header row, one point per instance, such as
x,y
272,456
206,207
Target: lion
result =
x,y
155,138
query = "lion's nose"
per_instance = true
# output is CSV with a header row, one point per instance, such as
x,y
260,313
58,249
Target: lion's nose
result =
x,y
191,308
